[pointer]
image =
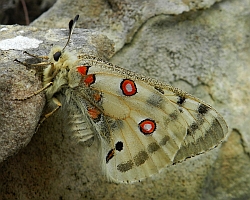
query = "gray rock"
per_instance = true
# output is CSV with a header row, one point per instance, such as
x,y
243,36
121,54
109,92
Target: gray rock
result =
x,y
119,20
18,118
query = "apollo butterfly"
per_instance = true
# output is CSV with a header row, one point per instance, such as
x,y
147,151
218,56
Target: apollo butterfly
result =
x,y
143,124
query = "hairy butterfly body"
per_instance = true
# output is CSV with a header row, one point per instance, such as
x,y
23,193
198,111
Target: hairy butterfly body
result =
x,y
144,125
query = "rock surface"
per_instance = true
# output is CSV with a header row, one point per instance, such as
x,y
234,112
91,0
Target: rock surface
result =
x,y
18,118
202,51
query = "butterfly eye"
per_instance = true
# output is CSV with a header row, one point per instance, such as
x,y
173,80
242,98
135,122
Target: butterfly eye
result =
x,y
57,55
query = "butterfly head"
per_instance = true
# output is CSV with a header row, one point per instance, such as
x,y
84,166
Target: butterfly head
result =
x,y
58,55
60,59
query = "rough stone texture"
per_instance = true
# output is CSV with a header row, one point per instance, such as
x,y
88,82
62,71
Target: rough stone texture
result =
x,y
230,174
119,20
18,119
205,52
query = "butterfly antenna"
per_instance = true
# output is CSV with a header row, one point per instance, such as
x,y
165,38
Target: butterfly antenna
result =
x,y
72,25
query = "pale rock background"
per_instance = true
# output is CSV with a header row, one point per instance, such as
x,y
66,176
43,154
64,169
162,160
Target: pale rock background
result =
x,y
199,46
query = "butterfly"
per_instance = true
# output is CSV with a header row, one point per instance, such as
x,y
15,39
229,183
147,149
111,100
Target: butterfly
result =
x,y
143,125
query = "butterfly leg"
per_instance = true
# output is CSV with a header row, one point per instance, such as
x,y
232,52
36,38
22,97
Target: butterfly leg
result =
x,y
36,92
36,56
46,116
42,64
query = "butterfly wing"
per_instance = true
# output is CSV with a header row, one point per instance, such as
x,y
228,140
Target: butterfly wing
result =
x,y
144,125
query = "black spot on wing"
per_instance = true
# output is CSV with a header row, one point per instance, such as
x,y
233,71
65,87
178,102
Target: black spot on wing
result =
x,y
124,167
216,130
203,109
164,140
153,147
181,100
155,100
192,128
141,158
159,89
173,115
119,146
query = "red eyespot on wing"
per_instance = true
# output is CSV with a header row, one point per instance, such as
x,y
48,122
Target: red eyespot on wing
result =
x,y
110,155
128,87
89,79
147,126
83,70
94,113
97,96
